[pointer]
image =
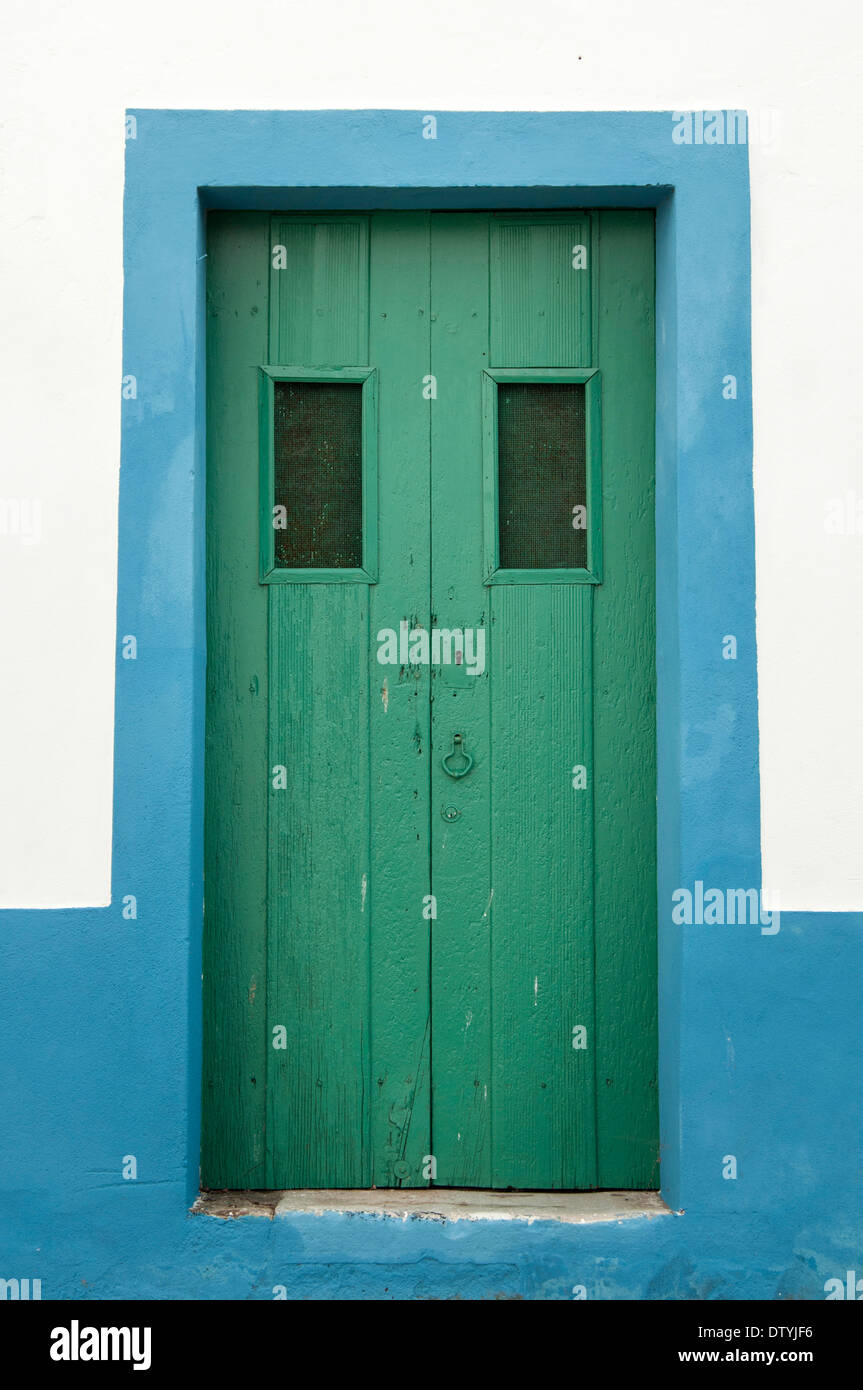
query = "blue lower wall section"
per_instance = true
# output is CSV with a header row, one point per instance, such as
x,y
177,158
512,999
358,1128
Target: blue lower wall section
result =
x,y
759,1054
771,1076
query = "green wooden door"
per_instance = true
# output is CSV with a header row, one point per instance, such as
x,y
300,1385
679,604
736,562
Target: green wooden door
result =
x,y
430,553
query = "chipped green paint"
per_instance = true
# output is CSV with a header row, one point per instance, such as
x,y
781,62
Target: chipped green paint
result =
x,y
451,967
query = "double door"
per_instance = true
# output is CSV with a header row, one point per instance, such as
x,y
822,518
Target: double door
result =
x,y
430,877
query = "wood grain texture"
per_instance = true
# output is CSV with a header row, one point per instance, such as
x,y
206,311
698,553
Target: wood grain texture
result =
x,y
399,710
540,304
512,961
235,772
514,1103
318,829
318,851
541,830
625,713
408,1036
461,979
319,300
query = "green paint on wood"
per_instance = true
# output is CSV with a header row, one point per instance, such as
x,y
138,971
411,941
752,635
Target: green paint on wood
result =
x,y
235,772
592,381
366,378
624,646
319,279
399,712
511,1032
541,971
460,964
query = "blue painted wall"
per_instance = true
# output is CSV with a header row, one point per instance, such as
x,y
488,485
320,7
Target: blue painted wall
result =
x,y
758,1048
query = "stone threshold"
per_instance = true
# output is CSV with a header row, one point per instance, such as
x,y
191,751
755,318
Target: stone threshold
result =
x,y
437,1204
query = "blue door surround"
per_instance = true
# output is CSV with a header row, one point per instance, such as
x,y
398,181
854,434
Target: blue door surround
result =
x,y
757,1030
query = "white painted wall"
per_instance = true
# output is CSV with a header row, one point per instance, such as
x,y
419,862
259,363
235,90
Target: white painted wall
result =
x,y
71,70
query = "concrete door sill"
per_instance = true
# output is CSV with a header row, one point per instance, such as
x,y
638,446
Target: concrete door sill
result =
x,y
438,1204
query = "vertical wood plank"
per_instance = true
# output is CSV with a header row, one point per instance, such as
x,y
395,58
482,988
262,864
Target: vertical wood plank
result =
x,y
399,709
625,712
235,811
544,1108
319,299
318,936
540,303
544,1120
318,841
461,935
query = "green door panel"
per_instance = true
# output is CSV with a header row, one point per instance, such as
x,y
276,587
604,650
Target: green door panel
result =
x,y
233,1140
411,977
461,1019
399,1079
624,646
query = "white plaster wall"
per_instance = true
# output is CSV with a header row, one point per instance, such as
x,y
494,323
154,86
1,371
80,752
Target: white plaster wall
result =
x,y
71,70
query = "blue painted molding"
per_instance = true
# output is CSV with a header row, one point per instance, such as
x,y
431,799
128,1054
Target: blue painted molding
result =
x,y
103,1057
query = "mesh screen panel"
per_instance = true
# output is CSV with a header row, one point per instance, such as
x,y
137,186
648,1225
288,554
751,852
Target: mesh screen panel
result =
x,y
317,474
542,475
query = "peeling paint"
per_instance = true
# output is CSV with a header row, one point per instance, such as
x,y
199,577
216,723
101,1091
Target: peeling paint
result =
x,y
385,695
365,884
